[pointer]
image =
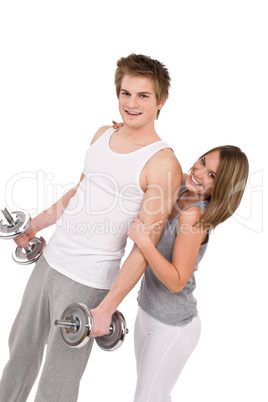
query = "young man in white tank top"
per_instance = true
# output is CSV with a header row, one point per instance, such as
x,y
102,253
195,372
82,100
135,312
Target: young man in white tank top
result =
x,y
128,172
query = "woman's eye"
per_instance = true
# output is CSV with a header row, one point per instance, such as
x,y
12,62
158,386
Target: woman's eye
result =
x,y
203,161
212,175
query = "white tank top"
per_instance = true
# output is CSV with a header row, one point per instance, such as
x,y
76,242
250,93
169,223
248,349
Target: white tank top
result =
x,y
90,237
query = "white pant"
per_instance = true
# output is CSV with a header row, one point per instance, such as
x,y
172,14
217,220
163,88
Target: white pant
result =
x,y
161,353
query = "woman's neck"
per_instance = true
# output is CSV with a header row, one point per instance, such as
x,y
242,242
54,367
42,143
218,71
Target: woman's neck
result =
x,y
186,199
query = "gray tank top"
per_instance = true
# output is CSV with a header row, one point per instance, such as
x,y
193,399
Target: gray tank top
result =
x,y
154,298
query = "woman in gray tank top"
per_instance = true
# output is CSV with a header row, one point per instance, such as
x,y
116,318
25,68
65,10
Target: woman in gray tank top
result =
x,y
167,326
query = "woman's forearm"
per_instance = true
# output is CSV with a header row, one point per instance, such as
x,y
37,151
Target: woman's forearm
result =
x,y
166,272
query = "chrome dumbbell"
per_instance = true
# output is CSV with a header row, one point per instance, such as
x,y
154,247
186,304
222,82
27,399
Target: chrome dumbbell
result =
x,y
14,225
76,326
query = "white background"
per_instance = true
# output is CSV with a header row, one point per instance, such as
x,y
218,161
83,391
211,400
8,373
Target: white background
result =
x,y
56,89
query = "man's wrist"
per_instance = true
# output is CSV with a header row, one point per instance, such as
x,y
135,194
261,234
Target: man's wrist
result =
x,y
106,307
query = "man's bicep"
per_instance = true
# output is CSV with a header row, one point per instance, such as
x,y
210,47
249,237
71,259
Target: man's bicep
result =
x,y
160,197
153,209
154,206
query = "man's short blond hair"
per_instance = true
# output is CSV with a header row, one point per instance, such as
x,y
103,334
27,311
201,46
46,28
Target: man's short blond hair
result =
x,y
144,66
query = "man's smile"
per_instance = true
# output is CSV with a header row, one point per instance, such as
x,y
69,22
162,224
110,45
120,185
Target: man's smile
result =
x,y
132,113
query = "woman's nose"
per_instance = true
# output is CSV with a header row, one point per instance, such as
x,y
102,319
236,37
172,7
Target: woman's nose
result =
x,y
199,172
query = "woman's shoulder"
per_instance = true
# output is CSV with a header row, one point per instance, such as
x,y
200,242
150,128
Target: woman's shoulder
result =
x,y
191,214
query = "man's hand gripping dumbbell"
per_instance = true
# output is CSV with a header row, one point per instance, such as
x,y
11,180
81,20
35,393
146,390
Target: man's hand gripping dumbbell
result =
x,y
76,325
14,225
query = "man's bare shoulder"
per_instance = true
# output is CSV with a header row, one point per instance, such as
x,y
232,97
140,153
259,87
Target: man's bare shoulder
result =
x,y
164,159
163,169
99,133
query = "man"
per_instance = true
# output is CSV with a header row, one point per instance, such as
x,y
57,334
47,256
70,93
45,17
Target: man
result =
x,y
128,172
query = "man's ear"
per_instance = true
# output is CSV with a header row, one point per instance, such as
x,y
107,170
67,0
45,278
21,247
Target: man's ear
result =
x,y
162,102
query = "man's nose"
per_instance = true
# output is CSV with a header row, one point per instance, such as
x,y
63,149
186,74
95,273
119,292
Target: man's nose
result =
x,y
132,102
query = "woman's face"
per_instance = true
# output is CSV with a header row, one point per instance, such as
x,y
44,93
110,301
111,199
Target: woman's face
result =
x,y
203,173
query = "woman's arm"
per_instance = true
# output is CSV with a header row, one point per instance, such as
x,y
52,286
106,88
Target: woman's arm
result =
x,y
176,274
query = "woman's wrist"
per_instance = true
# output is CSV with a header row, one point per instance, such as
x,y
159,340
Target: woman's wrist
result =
x,y
145,243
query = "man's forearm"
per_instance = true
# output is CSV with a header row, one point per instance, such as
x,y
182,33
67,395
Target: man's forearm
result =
x,y
130,273
52,214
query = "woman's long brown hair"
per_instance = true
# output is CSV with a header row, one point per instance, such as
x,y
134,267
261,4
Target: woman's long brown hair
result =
x,y
228,187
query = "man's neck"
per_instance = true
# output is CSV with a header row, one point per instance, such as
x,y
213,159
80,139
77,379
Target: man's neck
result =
x,y
141,135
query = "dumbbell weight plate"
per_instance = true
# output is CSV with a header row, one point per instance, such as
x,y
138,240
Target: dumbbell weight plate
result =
x,y
22,220
115,338
24,257
79,337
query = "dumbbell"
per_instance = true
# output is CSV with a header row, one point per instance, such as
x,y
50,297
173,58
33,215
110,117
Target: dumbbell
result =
x,y
76,327
15,224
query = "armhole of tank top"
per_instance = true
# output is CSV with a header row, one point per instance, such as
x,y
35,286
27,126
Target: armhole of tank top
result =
x,y
97,141
145,163
178,216
101,137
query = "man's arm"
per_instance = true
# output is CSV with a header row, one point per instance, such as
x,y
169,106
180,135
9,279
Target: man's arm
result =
x,y
164,178
51,215
47,217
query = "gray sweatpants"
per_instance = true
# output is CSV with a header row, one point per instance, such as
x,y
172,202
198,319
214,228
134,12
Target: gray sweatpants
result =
x,y
46,296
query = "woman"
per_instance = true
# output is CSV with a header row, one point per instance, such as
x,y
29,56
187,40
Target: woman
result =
x,y
167,326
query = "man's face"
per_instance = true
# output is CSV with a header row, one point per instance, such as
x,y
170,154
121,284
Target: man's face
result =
x,y
137,101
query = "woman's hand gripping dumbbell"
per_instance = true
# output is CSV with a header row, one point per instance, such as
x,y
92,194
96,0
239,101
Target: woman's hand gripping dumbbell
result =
x,y
76,326
14,225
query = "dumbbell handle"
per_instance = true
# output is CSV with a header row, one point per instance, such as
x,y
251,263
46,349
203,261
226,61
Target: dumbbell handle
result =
x,y
15,225
11,222
66,323
28,248
9,218
72,324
